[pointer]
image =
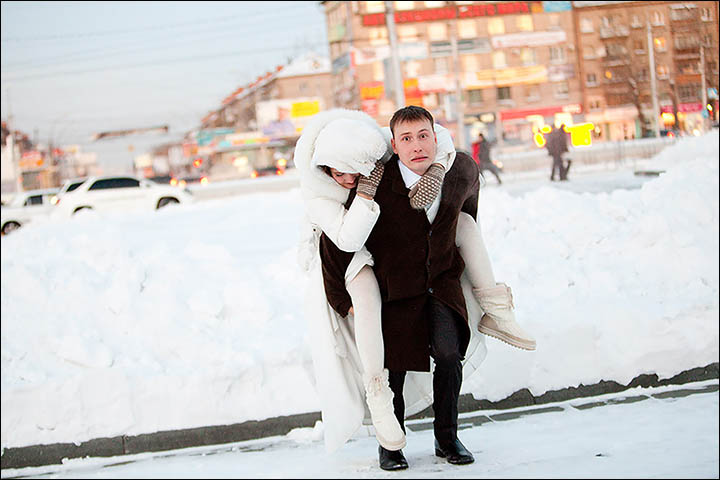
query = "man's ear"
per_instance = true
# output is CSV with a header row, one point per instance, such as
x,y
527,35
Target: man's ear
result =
x,y
392,142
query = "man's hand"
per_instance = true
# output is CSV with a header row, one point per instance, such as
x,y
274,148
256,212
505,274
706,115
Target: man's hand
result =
x,y
424,192
367,186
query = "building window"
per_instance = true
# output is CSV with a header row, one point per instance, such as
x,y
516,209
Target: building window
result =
x,y
378,71
441,65
688,92
591,80
498,58
404,6
606,22
662,71
527,56
378,36
496,26
524,23
706,15
532,93
554,21
589,53
469,63
503,93
374,7
412,68
594,104
467,28
660,45
684,42
475,96
407,33
562,90
586,25
437,31
657,18
431,4
635,23
557,55
640,47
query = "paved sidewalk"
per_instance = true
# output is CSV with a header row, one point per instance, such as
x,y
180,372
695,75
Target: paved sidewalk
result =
x,y
470,409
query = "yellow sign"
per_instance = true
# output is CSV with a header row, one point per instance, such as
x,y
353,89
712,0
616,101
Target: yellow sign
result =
x,y
580,134
304,109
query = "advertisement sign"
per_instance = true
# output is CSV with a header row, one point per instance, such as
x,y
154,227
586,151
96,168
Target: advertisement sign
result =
x,y
406,51
468,45
285,117
556,6
528,39
450,12
505,77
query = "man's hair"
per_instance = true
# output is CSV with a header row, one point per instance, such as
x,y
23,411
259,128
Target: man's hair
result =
x,y
411,113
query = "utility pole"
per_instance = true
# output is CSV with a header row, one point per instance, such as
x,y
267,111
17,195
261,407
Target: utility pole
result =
x,y
17,173
459,107
653,81
704,87
394,57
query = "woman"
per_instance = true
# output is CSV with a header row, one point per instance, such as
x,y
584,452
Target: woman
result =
x,y
341,150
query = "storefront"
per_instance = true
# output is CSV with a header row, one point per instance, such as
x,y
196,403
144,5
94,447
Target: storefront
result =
x,y
518,127
619,123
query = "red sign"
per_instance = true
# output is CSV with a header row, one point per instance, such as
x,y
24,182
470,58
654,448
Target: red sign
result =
x,y
446,13
690,107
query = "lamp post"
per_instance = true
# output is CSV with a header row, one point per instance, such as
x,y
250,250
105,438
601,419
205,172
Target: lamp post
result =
x,y
653,81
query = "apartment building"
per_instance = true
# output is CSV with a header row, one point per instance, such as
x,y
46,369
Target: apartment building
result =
x,y
616,64
521,65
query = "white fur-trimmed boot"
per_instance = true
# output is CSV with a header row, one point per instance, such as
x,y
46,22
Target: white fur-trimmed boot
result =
x,y
380,403
499,318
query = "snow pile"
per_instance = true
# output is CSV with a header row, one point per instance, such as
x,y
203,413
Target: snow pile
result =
x,y
192,315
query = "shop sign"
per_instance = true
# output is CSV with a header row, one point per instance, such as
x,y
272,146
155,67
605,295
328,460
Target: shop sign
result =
x,y
205,137
556,6
467,45
435,83
406,51
528,39
490,9
505,77
690,107
372,90
285,117
448,13
31,159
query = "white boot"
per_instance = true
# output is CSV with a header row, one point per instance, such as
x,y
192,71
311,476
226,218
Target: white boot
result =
x,y
380,403
499,318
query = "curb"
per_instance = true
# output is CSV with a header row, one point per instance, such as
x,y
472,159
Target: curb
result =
x,y
40,455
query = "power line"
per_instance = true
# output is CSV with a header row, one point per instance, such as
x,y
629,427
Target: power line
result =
x,y
74,36
156,63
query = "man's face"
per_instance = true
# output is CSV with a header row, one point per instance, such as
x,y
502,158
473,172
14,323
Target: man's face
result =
x,y
416,144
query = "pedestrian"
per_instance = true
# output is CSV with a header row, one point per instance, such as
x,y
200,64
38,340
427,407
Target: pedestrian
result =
x,y
333,141
481,155
557,146
419,268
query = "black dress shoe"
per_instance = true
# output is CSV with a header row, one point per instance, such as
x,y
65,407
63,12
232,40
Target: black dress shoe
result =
x,y
455,452
392,460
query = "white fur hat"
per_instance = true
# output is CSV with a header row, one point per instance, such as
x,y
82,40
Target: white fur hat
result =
x,y
350,146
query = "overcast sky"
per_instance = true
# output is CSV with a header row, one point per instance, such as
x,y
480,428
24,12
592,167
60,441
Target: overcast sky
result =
x,y
70,69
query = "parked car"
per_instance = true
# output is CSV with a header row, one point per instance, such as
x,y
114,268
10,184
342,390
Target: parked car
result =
x,y
27,206
118,193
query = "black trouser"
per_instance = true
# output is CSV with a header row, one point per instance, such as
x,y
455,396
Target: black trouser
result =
x,y
557,165
447,377
493,169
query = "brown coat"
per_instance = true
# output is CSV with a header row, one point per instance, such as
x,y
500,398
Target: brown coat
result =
x,y
413,260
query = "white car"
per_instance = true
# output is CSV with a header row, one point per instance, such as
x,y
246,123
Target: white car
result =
x,y
117,193
27,206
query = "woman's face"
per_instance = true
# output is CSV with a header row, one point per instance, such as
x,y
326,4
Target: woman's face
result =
x,y
345,180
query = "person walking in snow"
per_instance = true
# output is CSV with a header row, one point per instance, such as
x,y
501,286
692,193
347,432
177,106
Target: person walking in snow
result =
x,y
481,155
335,272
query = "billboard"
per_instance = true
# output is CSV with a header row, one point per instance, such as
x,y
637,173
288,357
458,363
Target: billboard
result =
x,y
286,117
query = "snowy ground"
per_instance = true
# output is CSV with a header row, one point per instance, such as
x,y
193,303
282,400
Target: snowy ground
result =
x,y
648,438
191,316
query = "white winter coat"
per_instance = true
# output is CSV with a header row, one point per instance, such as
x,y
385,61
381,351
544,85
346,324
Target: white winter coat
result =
x,y
351,142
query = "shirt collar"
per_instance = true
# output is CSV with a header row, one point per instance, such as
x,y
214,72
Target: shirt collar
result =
x,y
409,177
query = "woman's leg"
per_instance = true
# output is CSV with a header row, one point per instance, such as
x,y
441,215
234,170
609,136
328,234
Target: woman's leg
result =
x,y
494,298
472,249
367,308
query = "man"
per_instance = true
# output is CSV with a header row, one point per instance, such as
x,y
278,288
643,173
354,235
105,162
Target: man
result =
x,y
418,267
557,146
481,155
